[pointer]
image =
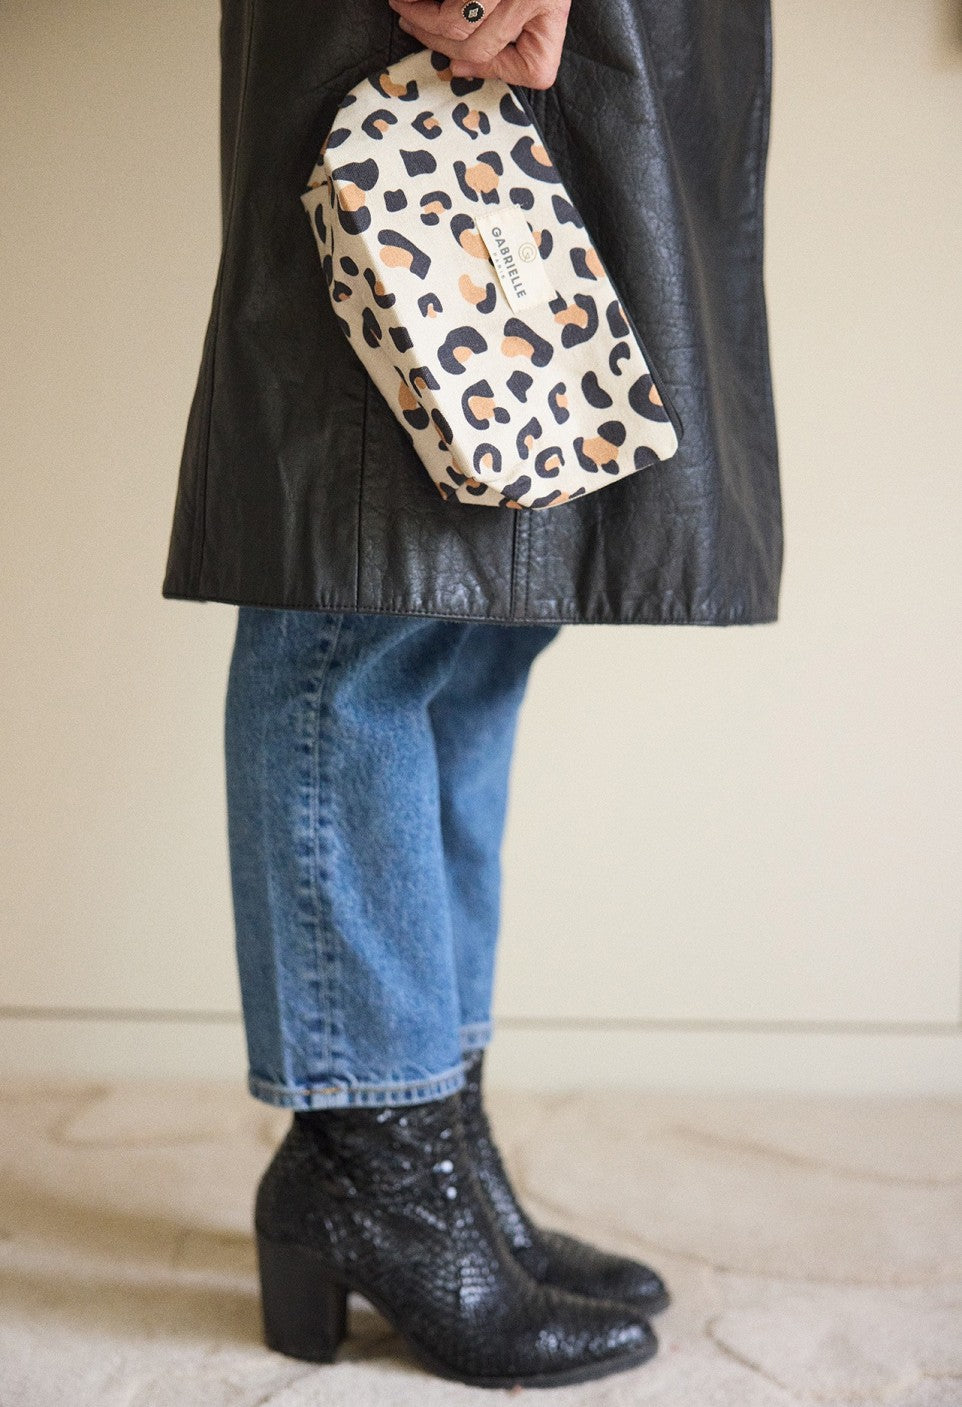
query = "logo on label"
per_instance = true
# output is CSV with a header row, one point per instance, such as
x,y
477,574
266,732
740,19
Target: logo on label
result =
x,y
515,255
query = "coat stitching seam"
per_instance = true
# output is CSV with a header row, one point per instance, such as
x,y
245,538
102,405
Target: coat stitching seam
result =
x,y
229,226
734,615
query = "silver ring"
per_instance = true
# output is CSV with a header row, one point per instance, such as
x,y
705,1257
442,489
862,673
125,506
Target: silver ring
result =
x,y
473,11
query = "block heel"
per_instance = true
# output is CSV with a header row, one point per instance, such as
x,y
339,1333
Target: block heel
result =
x,y
303,1306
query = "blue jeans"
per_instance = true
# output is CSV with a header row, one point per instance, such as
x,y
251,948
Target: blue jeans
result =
x,y
367,765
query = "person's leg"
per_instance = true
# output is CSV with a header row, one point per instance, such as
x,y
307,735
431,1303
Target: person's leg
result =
x,y
343,931
474,715
352,1013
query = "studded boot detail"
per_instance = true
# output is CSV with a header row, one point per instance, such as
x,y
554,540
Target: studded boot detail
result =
x,y
552,1257
385,1200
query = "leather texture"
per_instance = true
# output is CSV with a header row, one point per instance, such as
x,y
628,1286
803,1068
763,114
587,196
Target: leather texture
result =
x,y
553,1257
390,1201
297,486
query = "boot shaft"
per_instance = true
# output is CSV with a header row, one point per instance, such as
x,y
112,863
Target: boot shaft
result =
x,y
389,1157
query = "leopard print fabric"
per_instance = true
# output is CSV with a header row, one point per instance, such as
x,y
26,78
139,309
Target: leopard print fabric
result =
x,y
507,405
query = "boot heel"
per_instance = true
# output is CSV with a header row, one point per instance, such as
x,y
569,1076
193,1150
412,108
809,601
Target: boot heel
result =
x,y
303,1308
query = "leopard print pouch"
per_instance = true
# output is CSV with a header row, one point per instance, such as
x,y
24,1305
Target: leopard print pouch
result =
x,y
464,278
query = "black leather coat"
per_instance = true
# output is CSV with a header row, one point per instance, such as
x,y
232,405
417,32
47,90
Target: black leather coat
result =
x,y
297,486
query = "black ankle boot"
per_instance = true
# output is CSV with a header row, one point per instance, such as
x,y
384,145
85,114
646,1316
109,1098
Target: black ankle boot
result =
x,y
386,1201
550,1256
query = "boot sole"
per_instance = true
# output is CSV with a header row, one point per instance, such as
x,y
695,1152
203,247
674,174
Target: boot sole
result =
x,y
304,1316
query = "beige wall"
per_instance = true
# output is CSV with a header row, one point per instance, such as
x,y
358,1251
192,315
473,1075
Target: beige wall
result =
x,y
733,856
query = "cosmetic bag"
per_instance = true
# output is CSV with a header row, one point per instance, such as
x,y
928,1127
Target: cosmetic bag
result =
x,y
465,279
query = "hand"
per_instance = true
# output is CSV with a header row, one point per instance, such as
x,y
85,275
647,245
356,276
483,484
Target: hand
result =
x,y
519,41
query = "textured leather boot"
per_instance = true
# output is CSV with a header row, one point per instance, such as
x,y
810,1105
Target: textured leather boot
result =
x,y
550,1256
385,1201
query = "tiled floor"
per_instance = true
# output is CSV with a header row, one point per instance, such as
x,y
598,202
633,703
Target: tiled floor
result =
x,y
813,1246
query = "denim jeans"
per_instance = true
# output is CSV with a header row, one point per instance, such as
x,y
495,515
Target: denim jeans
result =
x,y
367,767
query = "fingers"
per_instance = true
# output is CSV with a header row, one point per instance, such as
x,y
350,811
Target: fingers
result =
x,y
532,60
501,28
444,21
519,41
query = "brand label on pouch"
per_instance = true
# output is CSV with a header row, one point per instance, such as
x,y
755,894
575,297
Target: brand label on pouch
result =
x,y
515,255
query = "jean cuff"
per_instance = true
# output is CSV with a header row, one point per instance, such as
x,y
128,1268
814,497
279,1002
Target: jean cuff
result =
x,y
475,1036
356,1096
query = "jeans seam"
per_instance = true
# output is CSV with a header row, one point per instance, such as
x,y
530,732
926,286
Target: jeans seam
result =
x,y
314,813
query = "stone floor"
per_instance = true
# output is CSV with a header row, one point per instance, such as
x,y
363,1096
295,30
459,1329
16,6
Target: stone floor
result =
x,y
813,1245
